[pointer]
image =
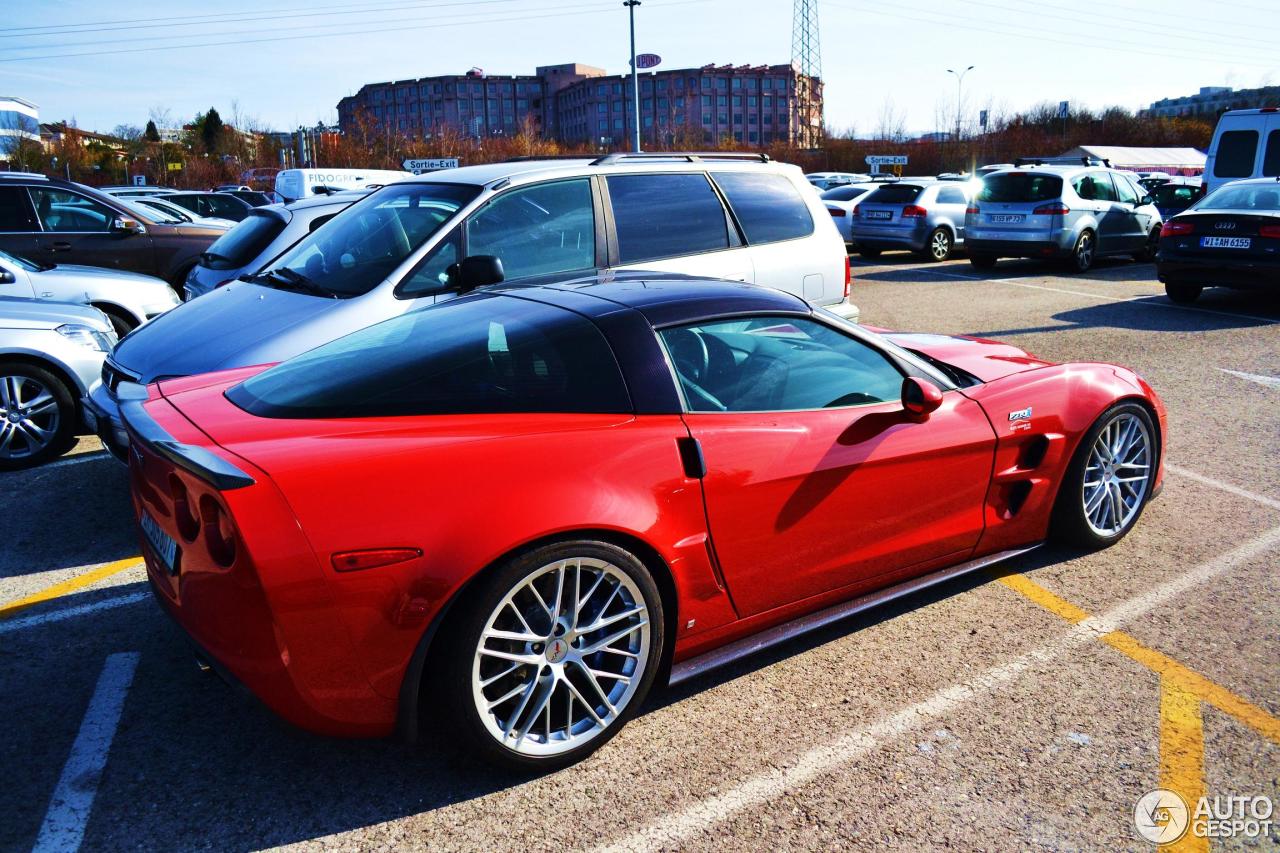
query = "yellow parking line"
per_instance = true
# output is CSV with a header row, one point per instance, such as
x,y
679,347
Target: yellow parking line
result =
x,y
1169,669
69,586
1182,756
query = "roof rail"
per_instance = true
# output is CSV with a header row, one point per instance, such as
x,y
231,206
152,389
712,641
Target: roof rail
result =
x,y
23,175
884,177
1062,161
686,156
528,158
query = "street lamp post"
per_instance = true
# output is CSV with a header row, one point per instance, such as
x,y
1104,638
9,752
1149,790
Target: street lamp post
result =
x,y
635,79
959,94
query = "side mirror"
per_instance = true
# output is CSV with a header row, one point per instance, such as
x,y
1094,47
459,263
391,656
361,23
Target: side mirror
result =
x,y
1145,200
920,397
7,277
124,225
476,271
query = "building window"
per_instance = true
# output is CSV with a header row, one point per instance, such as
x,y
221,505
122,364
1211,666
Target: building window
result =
x,y
722,83
646,104
737,135
737,83
648,121
706,100
737,100
722,100
737,118
617,124
724,118
706,118
662,85
768,83
751,136
751,101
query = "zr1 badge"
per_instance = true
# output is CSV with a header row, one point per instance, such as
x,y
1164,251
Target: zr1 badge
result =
x,y
1019,420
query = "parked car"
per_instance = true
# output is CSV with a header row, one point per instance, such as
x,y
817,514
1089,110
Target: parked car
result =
x,y
1176,195
1246,144
49,354
47,219
1150,180
134,191
228,188
922,216
829,180
171,213
841,201
1230,238
423,240
221,205
128,299
657,422
253,197
262,236
295,184
1073,213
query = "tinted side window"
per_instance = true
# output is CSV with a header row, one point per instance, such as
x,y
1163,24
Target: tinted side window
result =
x,y
432,274
537,229
767,206
1271,157
476,355
776,364
1103,189
15,210
951,195
1125,190
1237,151
243,243
225,207
665,216
64,211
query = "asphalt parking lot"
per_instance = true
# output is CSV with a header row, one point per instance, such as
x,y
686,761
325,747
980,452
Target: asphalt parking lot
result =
x,y
1025,708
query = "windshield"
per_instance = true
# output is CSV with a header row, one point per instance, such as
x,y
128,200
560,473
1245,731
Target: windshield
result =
x,y
29,266
360,247
152,213
243,243
844,193
1020,187
1243,197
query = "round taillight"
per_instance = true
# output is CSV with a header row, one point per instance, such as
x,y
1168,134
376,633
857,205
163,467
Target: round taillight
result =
x,y
219,532
188,524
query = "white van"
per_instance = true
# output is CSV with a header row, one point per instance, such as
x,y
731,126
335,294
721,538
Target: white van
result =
x,y
294,184
1246,144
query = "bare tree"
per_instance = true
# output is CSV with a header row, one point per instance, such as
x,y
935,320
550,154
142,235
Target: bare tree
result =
x,y
892,124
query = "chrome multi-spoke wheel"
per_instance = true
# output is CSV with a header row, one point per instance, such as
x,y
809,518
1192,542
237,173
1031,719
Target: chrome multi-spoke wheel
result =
x,y
940,245
1082,257
562,656
34,415
1117,474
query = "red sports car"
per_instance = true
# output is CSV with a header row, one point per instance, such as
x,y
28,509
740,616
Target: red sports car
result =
x,y
524,506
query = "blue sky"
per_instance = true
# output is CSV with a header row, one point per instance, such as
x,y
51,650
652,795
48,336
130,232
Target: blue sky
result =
x,y
874,52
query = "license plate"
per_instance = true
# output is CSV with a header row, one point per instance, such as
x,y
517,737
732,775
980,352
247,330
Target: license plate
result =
x,y
1226,242
1005,218
879,214
162,543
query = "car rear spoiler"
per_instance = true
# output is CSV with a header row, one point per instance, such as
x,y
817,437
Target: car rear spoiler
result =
x,y
211,468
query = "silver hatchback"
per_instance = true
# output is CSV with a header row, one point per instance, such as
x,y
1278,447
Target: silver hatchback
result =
x,y
1074,214
922,216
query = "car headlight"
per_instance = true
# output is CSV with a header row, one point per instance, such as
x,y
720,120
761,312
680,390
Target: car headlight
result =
x,y
88,337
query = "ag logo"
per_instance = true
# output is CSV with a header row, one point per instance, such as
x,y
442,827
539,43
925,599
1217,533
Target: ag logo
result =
x,y
1161,816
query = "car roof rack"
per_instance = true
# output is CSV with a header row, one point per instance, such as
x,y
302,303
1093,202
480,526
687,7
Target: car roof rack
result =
x,y
685,156
27,175
885,178
1062,161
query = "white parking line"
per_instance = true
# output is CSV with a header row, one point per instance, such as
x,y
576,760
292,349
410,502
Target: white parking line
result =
x,y
1267,381
760,789
71,612
72,800
1219,484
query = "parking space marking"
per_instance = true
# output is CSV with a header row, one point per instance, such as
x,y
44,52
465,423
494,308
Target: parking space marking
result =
x,y
1182,756
1268,381
72,800
760,789
1222,486
68,586
71,612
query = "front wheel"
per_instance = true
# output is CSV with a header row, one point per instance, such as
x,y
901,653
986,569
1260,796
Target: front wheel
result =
x,y
1109,479
37,416
939,246
1183,294
553,653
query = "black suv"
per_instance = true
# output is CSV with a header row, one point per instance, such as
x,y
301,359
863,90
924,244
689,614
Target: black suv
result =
x,y
55,221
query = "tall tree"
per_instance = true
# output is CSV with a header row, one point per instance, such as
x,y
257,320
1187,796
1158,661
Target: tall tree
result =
x,y
212,131
152,133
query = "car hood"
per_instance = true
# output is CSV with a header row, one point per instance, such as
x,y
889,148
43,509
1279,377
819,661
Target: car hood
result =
x,y
988,360
222,329
16,313
72,273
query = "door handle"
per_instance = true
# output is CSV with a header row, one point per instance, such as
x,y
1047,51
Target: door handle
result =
x,y
57,246
691,457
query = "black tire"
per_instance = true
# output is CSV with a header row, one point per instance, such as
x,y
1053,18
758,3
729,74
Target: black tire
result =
x,y
869,253
19,446
454,662
939,246
1083,253
981,261
1069,525
1148,253
120,321
1183,294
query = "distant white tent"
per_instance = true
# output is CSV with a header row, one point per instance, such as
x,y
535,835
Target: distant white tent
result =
x,y
1175,161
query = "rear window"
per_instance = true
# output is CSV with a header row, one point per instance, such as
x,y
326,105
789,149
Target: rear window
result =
x,y
1271,157
1175,196
483,354
243,243
1251,196
1015,187
843,193
1237,151
893,194
666,216
768,207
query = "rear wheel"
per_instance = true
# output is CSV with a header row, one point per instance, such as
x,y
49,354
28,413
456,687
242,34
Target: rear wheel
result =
x,y
939,246
552,654
1183,294
1148,253
869,253
1109,479
37,416
981,261
1082,255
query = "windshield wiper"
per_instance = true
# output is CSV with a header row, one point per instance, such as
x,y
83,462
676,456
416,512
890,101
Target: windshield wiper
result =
x,y
288,279
206,257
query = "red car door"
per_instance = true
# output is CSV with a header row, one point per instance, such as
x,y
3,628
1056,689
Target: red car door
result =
x,y
816,478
